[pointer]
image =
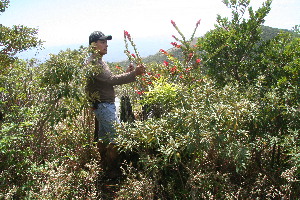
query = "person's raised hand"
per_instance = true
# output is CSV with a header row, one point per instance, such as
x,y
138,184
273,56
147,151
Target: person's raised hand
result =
x,y
130,68
139,70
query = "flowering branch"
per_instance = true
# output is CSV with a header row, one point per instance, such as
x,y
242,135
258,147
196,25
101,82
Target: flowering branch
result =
x,y
188,50
177,29
134,57
197,24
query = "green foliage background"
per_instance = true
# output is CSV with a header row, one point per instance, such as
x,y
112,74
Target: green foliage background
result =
x,y
222,118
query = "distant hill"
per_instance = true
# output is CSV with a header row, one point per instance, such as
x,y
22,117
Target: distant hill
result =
x,y
267,34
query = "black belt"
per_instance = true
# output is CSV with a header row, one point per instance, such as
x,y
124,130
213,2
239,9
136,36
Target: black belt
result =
x,y
95,103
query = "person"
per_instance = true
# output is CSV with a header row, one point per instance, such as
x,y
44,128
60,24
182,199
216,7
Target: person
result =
x,y
101,93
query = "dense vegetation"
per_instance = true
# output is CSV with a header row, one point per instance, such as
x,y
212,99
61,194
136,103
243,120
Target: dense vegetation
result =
x,y
219,121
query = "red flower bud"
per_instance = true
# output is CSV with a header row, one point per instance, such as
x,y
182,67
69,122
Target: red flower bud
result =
x,y
198,22
173,23
175,37
127,35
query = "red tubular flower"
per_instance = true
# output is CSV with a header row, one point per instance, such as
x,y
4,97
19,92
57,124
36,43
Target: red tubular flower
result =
x,y
133,55
163,51
173,69
188,69
174,44
139,92
166,63
198,60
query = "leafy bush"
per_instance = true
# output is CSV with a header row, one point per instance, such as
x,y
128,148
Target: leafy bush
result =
x,y
233,131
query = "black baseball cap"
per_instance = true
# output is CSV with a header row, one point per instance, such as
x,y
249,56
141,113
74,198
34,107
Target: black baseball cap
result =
x,y
98,35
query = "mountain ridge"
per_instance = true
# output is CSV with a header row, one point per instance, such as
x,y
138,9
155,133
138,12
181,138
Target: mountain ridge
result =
x,y
267,33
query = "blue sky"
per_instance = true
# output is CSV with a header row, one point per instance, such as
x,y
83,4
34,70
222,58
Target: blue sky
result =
x,y
68,23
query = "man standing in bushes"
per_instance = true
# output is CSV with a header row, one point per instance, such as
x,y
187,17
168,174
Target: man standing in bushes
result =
x,y
100,91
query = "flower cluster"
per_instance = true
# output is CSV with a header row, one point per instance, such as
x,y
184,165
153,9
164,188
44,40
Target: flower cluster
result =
x,y
189,50
133,57
184,69
175,44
